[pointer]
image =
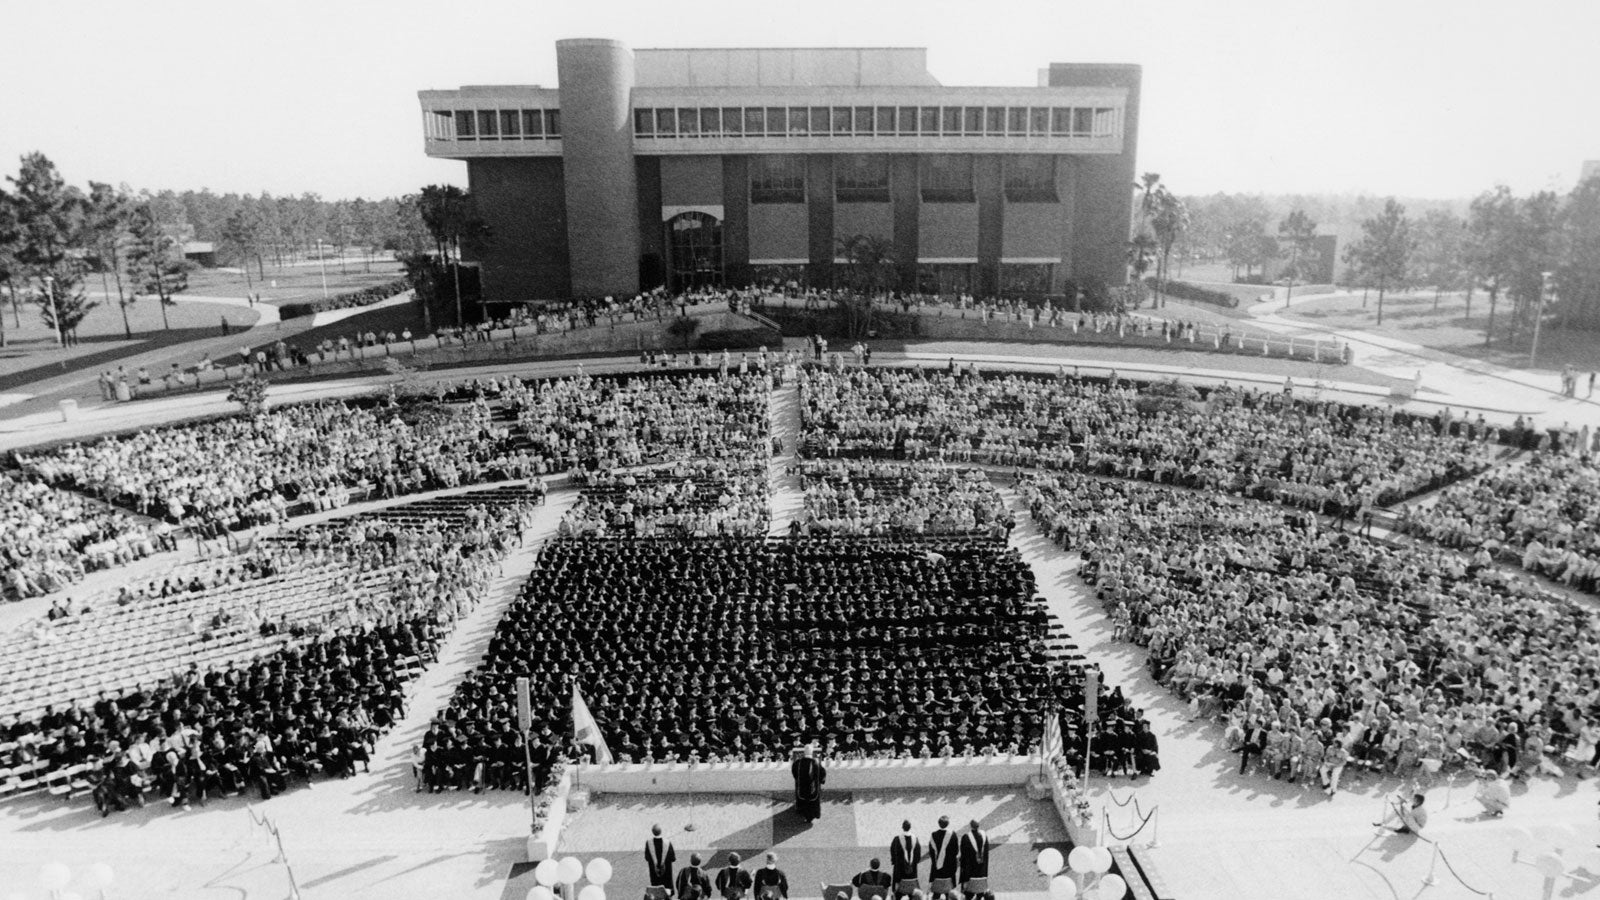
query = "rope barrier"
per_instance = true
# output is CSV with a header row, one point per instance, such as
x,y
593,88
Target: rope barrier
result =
x,y
1132,798
1440,850
1111,831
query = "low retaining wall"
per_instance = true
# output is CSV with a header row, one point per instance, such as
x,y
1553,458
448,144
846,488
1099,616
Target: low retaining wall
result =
x,y
843,775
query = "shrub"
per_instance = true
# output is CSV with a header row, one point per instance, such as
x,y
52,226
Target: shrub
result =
x,y
1185,291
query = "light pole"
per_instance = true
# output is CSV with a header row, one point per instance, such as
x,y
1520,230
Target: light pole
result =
x,y
55,313
322,264
1547,289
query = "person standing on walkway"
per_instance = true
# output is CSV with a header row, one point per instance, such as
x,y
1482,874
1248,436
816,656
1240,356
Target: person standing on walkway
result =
x,y
733,882
770,881
659,856
904,855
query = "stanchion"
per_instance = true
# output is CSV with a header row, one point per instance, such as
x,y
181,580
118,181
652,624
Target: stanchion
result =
x,y
1433,863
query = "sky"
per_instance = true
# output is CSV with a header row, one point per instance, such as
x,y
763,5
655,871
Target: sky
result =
x,y
1418,98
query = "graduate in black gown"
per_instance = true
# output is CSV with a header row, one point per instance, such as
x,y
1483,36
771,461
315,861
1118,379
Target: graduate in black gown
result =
x,y
809,777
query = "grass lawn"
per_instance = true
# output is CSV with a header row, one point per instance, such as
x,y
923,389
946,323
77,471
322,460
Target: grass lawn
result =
x,y
1412,317
292,283
104,322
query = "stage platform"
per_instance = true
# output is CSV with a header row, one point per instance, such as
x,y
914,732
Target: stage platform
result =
x,y
854,827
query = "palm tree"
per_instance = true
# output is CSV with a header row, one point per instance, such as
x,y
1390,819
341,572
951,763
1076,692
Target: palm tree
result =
x,y
1170,220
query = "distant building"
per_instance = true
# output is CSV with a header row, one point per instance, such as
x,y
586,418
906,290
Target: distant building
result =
x,y
690,167
201,253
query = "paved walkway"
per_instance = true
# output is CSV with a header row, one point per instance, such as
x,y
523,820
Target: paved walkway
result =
x,y
1444,376
783,479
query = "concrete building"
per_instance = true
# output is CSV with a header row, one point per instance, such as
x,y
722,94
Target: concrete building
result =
x,y
686,167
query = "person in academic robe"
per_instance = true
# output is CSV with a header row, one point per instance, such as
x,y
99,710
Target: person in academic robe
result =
x,y
904,855
659,857
770,881
733,882
874,876
943,853
809,777
692,882
1147,750
974,853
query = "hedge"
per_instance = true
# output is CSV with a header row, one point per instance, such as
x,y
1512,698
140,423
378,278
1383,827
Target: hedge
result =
x,y
363,297
1185,291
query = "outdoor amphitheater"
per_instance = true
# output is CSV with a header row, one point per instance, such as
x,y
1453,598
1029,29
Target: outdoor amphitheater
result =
x,y
1149,632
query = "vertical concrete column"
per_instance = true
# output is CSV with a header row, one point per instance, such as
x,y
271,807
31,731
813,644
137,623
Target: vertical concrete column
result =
x,y
990,184
906,198
736,220
819,215
596,83
652,232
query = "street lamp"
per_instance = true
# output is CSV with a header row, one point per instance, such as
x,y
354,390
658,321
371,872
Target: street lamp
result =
x,y
323,265
55,314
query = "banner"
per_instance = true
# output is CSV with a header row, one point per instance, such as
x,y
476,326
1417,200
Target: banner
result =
x,y
586,731
1052,745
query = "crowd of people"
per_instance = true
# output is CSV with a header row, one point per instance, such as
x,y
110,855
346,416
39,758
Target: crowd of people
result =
x,y
697,497
1318,454
871,497
1319,649
431,569
311,707
241,471
586,423
1544,513
50,538
741,649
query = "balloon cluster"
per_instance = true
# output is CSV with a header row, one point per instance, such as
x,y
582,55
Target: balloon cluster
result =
x,y
569,871
1082,861
55,876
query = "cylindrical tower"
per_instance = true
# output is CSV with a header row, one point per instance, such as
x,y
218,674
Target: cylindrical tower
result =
x,y
595,77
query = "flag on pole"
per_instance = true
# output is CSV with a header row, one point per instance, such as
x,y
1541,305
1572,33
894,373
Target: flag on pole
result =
x,y
1052,746
585,730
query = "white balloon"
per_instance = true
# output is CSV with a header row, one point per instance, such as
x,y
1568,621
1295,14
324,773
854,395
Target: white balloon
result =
x,y
53,876
1081,859
571,869
599,870
1112,887
1550,865
547,872
1062,887
102,874
540,892
1102,860
592,892
1049,861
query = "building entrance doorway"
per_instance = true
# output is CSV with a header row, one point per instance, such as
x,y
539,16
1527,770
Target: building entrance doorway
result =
x,y
694,251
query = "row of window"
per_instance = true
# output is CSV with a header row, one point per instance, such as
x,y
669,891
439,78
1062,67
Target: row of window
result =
x,y
863,121
793,121
494,125
864,178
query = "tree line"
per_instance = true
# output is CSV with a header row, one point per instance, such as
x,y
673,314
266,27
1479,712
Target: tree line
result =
x,y
56,239
1533,258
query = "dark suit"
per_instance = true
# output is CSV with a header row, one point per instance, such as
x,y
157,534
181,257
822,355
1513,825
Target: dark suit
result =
x,y
873,878
692,883
809,777
733,882
659,856
943,854
904,855
771,878
974,856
